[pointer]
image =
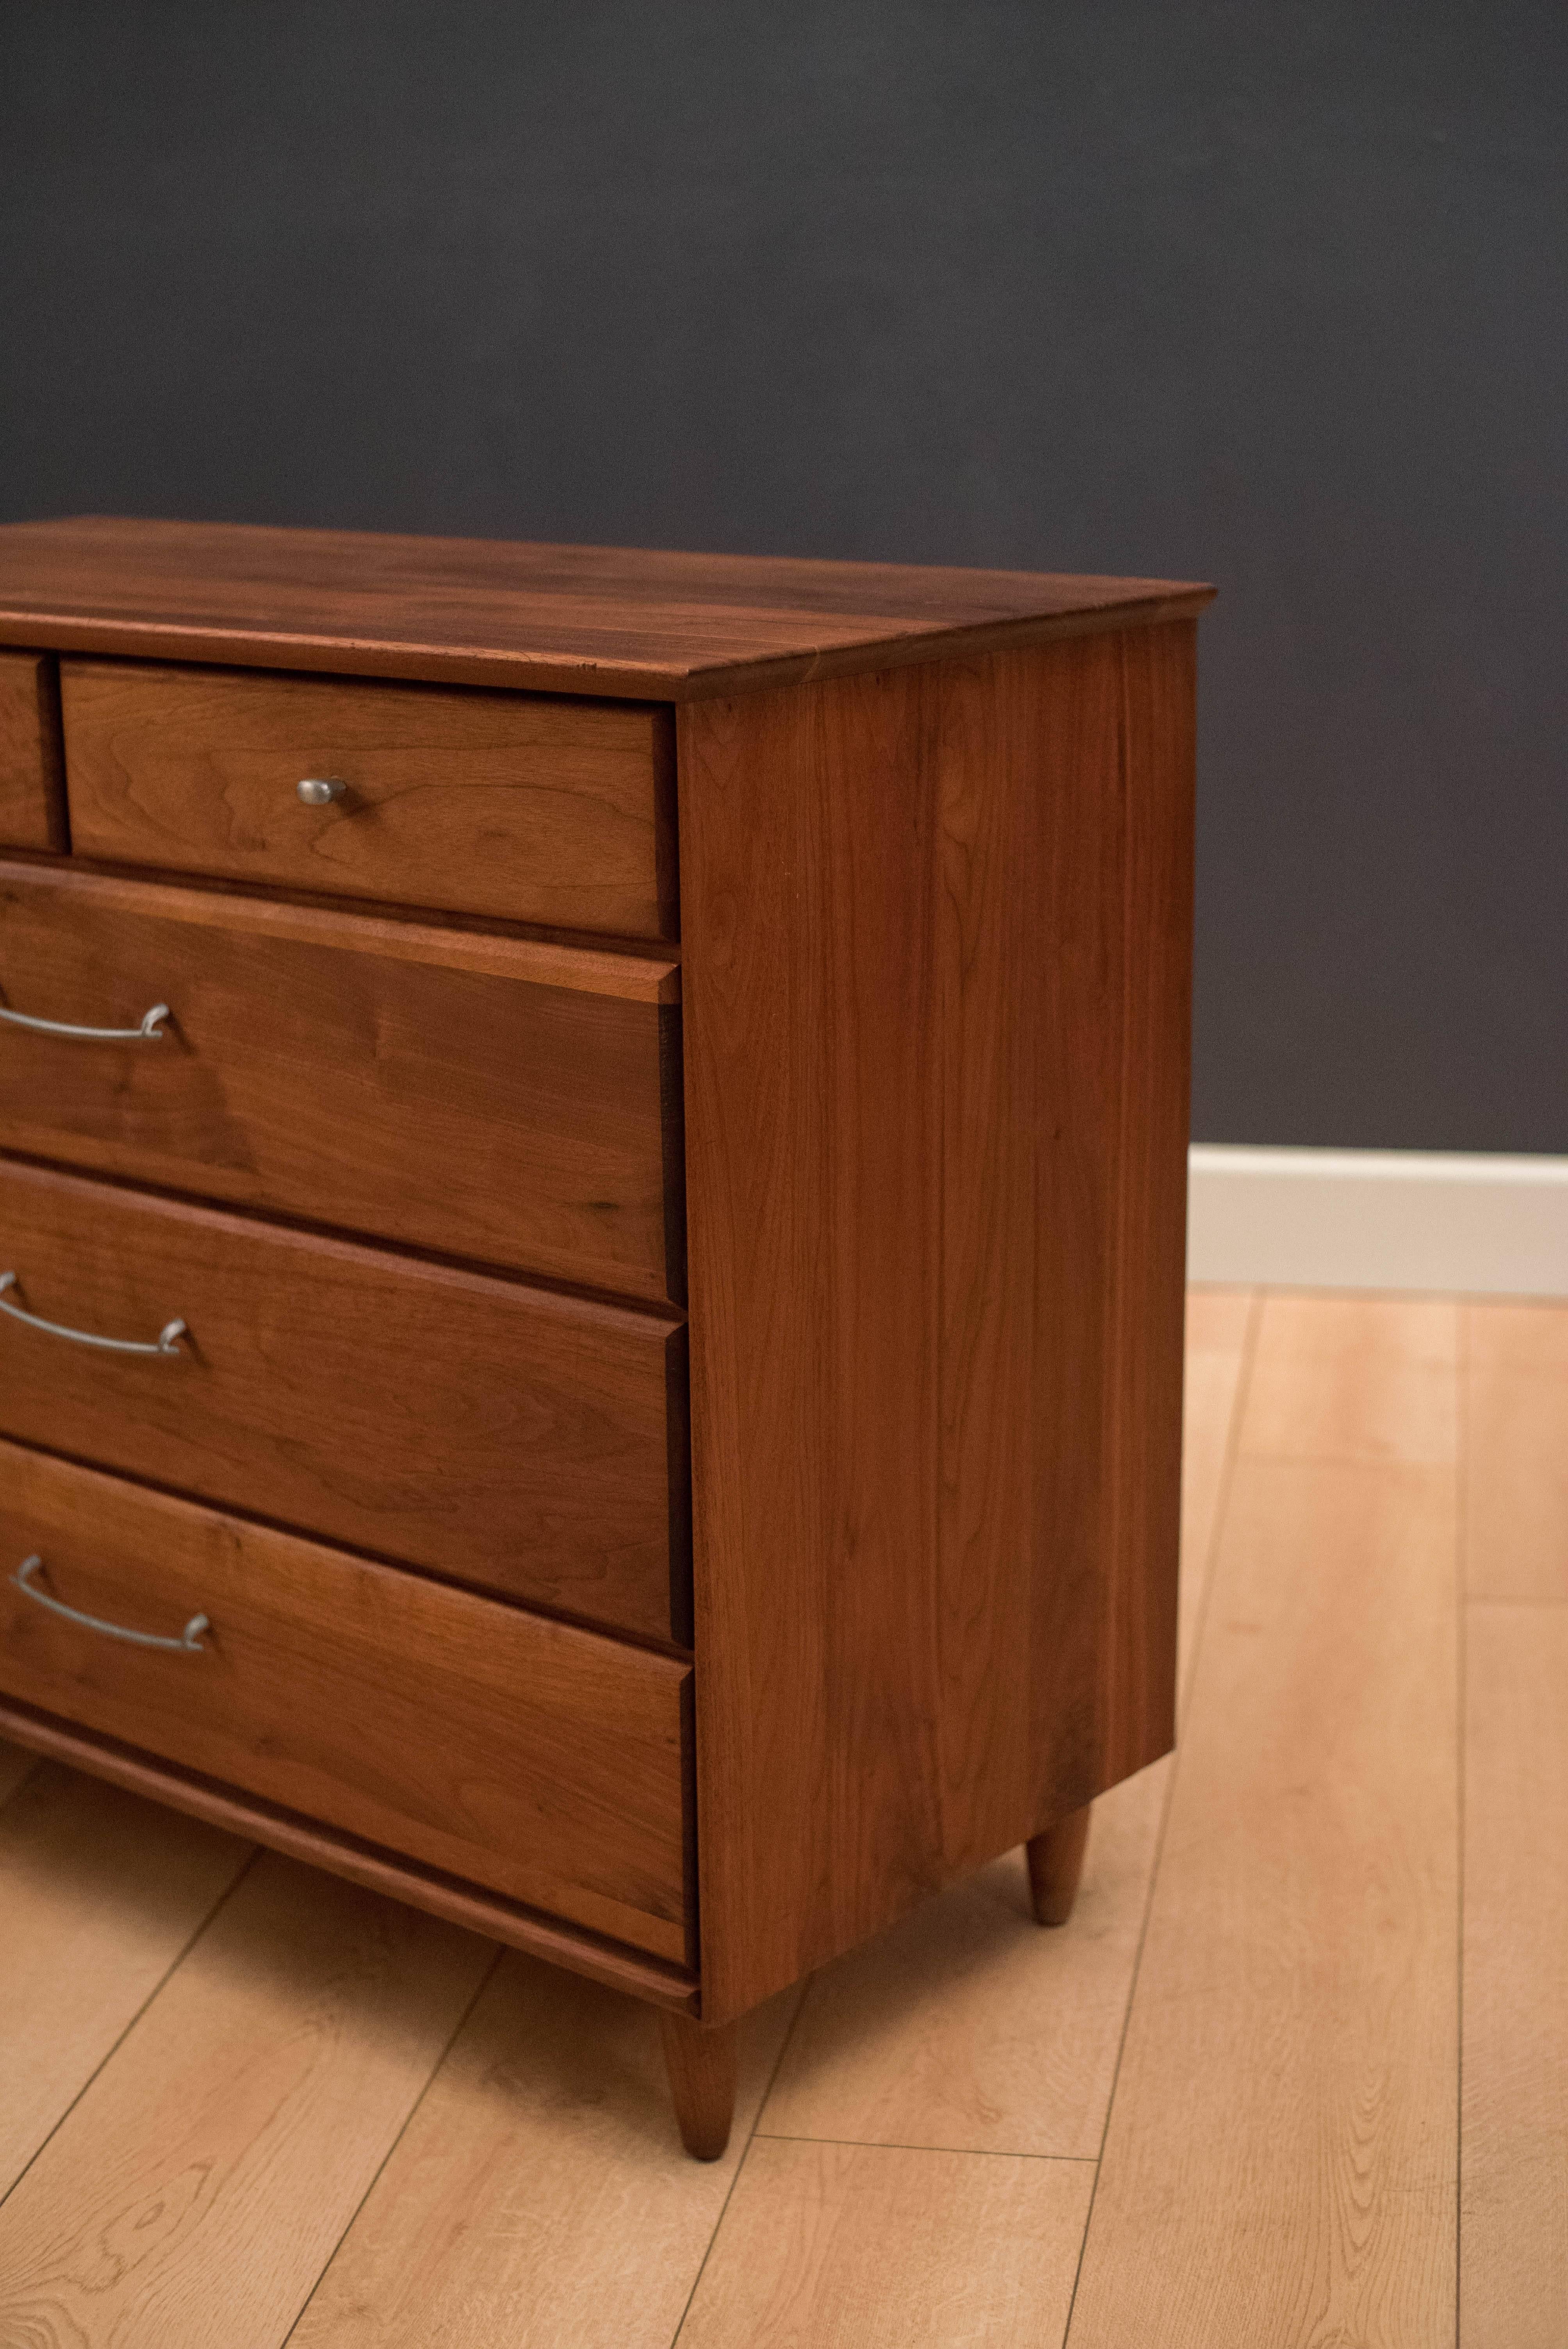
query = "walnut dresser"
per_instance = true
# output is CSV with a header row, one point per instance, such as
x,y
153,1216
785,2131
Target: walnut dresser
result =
x,y
591,1185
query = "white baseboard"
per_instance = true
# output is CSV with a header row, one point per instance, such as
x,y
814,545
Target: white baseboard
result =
x,y
1474,1225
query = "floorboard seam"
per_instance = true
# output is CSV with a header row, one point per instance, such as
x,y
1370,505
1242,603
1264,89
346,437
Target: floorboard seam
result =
x,y
1221,1505
158,1988
1461,1586
895,2144
398,2135
1487,1600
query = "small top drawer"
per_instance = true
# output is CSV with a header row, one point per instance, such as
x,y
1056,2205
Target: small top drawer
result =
x,y
32,799
526,807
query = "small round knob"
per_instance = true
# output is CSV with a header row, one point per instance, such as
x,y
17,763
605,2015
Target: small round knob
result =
x,y
314,791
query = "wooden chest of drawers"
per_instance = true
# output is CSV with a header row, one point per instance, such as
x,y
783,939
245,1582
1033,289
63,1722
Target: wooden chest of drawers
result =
x,y
592,1187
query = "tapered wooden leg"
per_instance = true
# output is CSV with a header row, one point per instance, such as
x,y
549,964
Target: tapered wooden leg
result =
x,y
1056,1863
701,2066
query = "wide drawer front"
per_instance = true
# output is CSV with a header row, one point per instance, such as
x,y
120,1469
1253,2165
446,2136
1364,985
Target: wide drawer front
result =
x,y
528,1443
528,806
484,1097
32,793
540,1760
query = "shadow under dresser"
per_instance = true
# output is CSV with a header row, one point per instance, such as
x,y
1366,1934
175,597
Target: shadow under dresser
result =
x,y
593,1157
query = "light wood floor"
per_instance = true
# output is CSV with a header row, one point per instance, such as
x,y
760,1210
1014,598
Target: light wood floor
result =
x,y
1296,2074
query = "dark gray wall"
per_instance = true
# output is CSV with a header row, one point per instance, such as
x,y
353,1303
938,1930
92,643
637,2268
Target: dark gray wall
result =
x,y
1270,295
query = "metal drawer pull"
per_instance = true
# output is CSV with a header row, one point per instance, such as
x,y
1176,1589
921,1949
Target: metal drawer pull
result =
x,y
150,1030
319,790
189,1643
166,1342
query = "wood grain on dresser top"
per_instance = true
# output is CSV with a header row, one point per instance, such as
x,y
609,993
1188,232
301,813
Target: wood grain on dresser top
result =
x,y
492,1098
494,1433
32,781
529,807
594,620
527,1756
937,926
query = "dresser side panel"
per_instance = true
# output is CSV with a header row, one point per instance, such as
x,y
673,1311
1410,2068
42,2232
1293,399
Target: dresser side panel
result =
x,y
936,1001
1065,955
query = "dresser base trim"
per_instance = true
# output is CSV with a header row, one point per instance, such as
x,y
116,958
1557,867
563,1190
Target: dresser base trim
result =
x,y
462,1904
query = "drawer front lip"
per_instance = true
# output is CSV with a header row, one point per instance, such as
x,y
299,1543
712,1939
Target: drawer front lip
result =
x,y
525,807
32,785
501,1435
548,1764
485,1098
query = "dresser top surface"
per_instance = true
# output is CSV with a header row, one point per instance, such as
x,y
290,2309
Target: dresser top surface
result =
x,y
565,619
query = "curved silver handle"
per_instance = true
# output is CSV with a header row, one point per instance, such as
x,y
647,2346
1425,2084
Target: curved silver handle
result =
x,y
319,790
166,1342
188,1642
149,1031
